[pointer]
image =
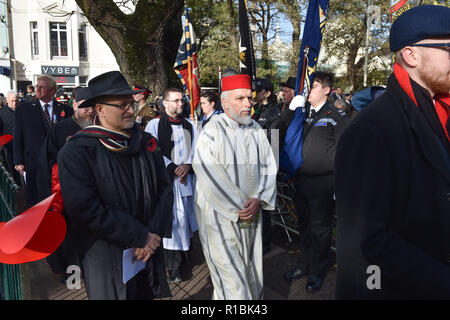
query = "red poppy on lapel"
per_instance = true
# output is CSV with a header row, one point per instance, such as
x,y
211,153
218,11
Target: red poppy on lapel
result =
x,y
151,145
63,114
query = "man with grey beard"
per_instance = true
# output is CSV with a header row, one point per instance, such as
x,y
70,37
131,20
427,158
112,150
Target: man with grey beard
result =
x,y
47,168
236,179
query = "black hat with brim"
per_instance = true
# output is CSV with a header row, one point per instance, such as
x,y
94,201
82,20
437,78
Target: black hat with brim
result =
x,y
111,83
290,83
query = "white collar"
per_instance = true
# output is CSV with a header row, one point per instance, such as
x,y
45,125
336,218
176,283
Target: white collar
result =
x,y
317,109
50,103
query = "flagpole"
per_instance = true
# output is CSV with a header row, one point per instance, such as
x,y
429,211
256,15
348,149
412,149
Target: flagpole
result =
x,y
304,66
189,67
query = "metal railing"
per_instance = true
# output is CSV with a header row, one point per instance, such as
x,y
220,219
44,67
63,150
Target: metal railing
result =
x,y
10,274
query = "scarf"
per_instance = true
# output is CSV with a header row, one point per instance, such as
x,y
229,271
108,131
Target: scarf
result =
x,y
436,114
165,132
142,184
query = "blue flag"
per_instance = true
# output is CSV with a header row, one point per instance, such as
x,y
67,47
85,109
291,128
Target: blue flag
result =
x,y
291,154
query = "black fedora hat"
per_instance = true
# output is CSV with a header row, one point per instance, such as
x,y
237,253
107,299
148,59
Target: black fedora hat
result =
x,y
290,83
111,83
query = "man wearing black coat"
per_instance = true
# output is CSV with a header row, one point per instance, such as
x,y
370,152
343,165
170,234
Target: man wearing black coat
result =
x,y
32,121
118,195
393,173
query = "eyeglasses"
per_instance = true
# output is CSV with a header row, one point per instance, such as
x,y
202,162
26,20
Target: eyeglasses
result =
x,y
123,106
441,45
177,101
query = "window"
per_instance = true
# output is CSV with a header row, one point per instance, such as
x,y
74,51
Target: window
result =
x,y
58,39
83,81
82,43
34,40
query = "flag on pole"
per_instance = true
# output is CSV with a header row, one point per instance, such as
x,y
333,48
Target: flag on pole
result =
x,y
397,8
291,153
186,63
246,52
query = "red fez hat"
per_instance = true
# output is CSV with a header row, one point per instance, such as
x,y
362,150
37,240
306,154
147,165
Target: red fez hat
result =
x,y
34,234
5,139
239,81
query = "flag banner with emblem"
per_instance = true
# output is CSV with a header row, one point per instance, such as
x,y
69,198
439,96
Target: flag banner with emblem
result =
x,y
398,7
246,52
291,153
186,63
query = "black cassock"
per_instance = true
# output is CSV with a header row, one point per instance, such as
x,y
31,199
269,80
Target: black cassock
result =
x,y
113,200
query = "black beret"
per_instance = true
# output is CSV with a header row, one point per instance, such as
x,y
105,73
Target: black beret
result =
x,y
262,83
418,23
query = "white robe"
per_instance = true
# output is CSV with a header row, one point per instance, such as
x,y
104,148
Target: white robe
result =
x,y
184,223
232,165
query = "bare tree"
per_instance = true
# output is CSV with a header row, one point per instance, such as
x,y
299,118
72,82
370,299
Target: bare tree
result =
x,y
138,40
264,14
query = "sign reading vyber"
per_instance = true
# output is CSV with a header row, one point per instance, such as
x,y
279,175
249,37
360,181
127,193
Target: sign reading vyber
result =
x,y
59,70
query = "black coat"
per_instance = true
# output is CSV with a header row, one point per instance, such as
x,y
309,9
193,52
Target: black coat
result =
x,y
29,134
56,138
94,200
30,131
54,141
393,203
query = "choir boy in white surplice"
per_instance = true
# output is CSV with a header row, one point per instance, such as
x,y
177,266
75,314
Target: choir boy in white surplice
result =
x,y
177,136
236,179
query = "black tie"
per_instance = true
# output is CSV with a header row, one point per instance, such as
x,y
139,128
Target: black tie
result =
x,y
46,114
313,113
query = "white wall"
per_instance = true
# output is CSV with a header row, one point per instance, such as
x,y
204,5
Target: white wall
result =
x,y
100,58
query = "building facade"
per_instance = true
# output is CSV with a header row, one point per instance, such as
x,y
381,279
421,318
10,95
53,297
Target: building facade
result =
x,y
54,38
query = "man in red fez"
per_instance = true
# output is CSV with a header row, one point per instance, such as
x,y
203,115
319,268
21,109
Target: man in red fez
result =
x,y
236,179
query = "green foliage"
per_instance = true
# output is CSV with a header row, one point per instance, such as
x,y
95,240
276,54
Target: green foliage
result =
x,y
345,38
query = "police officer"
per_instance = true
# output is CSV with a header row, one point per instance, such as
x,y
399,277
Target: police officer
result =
x,y
314,181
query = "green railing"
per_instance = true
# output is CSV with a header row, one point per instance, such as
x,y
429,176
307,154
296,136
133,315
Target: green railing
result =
x,y
10,274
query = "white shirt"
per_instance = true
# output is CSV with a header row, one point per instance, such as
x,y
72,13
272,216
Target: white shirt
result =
x,y
50,107
317,109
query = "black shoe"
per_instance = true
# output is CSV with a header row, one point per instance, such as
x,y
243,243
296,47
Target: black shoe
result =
x,y
266,249
314,283
296,273
175,277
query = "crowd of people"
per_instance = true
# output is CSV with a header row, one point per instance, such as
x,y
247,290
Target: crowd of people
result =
x,y
146,177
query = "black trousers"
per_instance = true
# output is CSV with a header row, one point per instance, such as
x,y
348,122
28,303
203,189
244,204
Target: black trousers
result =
x,y
314,208
266,229
175,260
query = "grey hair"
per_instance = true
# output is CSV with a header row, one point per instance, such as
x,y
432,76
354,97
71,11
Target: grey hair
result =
x,y
12,92
339,102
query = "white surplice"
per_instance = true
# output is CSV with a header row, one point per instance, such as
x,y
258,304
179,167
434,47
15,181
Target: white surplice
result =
x,y
233,164
184,223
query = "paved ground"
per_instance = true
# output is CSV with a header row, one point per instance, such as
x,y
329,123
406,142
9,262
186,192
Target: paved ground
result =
x,y
197,284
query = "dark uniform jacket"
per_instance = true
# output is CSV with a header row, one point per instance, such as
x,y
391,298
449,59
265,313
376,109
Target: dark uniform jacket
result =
x,y
320,138
269,114
393,203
